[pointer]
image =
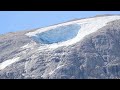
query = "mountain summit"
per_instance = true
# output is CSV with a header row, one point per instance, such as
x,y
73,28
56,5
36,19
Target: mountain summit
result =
x,y
79,49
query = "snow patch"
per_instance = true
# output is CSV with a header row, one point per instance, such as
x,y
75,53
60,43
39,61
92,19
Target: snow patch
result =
x,y
51,72
29,45
8,62
58,67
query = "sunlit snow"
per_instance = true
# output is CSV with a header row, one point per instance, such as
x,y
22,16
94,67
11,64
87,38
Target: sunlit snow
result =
x,y
8,62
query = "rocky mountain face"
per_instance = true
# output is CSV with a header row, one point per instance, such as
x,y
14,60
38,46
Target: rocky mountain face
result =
x,y
96,56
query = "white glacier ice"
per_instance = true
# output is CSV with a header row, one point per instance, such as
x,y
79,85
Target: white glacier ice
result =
x,y
61,35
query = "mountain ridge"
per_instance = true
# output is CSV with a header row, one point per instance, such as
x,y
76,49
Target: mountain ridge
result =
x,y
96,56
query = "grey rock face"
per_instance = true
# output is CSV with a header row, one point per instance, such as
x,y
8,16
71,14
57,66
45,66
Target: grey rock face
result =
x,y
95,57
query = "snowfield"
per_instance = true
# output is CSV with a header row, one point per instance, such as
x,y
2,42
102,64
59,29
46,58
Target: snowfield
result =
x,y
59,35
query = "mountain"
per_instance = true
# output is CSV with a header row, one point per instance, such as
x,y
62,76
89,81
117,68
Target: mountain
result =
x,y
85,48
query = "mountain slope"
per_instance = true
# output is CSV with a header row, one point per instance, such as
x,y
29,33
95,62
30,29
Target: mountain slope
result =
x,y
80,49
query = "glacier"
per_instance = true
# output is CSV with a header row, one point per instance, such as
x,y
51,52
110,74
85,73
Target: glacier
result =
x,y
51,37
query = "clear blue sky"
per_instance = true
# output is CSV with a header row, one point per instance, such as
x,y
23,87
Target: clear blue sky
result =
x,y
11,21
